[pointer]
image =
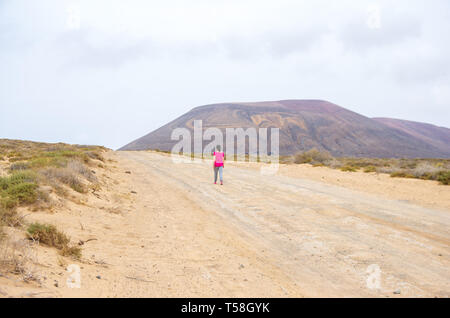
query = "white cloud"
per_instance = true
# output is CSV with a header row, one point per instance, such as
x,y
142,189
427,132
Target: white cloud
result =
x,y
73,17
374,17
441,94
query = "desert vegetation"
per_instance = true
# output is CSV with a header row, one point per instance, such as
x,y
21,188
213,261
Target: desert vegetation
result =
x,y
32,165
32,175
49,235
17,257
426,169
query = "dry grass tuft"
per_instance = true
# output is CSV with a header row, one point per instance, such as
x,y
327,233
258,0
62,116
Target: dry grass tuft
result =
x,y
18,258
80,169
71,251
49,235
312,156
65,176
401,174
444,177
349,169
370,169
10,217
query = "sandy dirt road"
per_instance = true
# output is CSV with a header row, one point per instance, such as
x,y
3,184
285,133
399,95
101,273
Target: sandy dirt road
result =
x,y
164,230
297,237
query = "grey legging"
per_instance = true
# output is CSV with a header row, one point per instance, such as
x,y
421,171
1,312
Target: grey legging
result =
x,y
220,170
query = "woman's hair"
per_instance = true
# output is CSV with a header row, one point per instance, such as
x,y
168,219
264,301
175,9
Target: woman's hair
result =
x,y
218,147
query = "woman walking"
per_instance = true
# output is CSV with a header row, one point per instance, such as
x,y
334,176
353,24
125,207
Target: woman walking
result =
x,y
218,164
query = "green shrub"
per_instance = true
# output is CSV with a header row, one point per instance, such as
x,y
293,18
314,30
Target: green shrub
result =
x,y
23,192
444,177
49,235
369,169
65,176
313,156
349,169
14,154
18,188
401,174
78,187
358,162
72,251
427,176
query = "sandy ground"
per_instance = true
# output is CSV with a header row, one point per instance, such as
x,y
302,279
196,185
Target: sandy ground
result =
x,y
164,230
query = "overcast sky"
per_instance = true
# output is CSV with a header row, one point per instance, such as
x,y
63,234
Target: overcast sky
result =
x,y
108,72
